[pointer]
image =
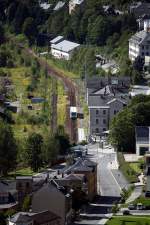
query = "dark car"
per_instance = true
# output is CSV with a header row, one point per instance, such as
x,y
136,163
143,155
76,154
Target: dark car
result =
x,y
147,194
126,212
131,206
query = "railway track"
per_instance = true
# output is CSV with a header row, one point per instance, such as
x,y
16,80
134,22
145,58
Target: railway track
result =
x,y
71,91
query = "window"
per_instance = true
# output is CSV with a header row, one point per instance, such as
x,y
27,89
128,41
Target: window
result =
x,y
142,46
19,184
97,112
104,129
104,121
97,121
104,112
27,185
115,112
97,130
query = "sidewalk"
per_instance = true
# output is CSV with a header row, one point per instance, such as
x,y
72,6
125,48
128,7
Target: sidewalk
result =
x,y
120,179
135,194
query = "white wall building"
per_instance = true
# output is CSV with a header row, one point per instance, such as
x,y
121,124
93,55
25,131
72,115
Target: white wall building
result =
x,y
73,4
139,90
62,49
139,44
142,140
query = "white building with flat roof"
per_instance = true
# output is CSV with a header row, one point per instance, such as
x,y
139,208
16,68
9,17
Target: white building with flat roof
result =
x,y
139,44
63,49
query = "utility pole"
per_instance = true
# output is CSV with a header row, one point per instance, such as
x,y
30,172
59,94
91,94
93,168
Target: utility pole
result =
x,y
54,98
45,84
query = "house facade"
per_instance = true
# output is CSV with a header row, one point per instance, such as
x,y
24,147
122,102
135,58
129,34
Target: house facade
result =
x,y
147,188
24,186
139,44
142,140
105,98
89,170
139,90
54,198
8,195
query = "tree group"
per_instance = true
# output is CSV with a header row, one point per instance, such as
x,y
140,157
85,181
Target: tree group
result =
x,y
122,129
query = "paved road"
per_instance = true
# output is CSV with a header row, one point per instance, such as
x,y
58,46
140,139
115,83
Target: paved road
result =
x,y
107,184
98,211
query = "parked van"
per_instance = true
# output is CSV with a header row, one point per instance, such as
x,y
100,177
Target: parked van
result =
x,y
140,206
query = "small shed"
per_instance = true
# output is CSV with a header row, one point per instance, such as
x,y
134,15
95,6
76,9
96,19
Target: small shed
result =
x,y
36,100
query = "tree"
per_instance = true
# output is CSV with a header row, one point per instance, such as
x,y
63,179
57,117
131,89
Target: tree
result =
x,y
51,150
29,29
99,30
2,218
11,11
2,37
21,14
90,63
122,129
8,149
138,64
34,151
63,139
26,203
79,198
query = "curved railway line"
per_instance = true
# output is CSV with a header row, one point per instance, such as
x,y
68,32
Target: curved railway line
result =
x,y
71,91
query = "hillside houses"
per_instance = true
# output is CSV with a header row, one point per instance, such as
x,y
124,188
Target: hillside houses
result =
x,y
105,98
53,199
139,8
139,43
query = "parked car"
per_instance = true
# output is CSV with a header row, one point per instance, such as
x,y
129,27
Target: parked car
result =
x,y
140,206
126,212
147,194
131,206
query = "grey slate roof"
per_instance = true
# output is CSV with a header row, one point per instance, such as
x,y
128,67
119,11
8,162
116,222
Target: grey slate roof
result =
x,y
103,90
99,82
20,218
139,37
59,5
38,218
78,147
7,186
65,46
81,165
44,217
56,39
